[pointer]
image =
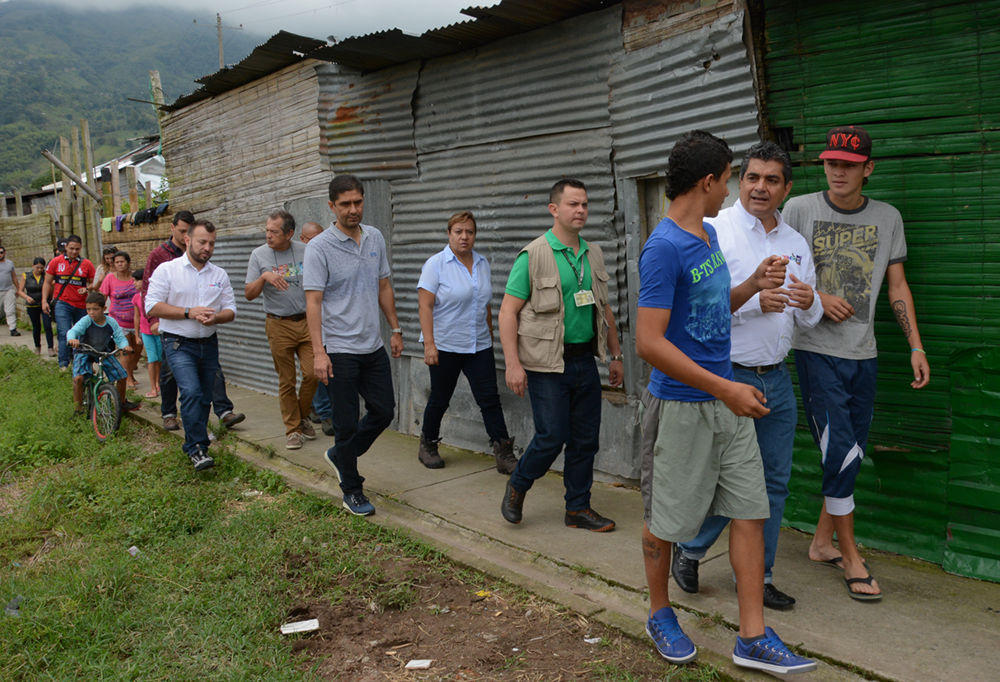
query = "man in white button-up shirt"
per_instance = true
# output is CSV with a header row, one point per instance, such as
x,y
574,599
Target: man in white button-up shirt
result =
x,y
762,336
191,296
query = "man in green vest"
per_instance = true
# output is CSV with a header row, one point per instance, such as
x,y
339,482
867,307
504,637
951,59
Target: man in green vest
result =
x,y
554,320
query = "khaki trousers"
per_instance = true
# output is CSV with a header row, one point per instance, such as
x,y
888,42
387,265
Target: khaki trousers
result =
x,y
287,339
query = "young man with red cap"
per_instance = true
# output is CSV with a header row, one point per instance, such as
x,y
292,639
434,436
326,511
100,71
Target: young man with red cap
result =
x,y
856,243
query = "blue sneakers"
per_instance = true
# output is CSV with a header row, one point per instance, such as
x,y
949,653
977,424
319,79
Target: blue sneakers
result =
x,y
663,628
358,504
770,654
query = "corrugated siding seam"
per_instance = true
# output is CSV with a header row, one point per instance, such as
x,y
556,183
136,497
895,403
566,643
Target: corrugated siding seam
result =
x,y
553,80
244,353
505,184
368,121
700,79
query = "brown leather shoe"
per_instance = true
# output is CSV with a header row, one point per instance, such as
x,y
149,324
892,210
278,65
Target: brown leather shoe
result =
x,y
428,453
232,419
171,423
503,451
307,430
588,519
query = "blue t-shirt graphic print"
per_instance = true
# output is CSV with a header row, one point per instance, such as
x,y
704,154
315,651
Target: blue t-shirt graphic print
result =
x,y
680,272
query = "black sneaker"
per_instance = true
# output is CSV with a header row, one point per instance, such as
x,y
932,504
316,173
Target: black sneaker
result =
x,y
503,451
14,332
428,453
588,519
684,570
512,504
201,461
129,406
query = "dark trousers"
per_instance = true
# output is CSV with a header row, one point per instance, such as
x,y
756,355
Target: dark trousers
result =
x,y
370,377
39,321
196,366
480,370
221,403
66,316
567,412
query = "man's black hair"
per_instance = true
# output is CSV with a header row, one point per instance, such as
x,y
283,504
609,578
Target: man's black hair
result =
x,y
75,239
186,216
286,218
694,156
345,183
768,151
555,194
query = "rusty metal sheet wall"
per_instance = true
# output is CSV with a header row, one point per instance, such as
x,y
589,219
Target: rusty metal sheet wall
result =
x,y
700,79
367,121
244,353
506,185
552,80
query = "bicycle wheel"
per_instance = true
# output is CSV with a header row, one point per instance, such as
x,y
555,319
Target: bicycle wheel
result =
x,y
107,412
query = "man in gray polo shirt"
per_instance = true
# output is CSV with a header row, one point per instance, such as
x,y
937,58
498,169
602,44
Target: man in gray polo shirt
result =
x,y
346,283
275,271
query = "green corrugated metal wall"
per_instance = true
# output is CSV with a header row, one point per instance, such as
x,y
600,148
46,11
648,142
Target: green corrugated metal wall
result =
x,y
921,76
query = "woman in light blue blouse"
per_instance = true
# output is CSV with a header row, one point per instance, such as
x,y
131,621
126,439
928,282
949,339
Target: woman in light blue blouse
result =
x,y
456,328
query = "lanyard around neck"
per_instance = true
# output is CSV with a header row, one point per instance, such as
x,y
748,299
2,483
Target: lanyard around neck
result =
x,y
579,275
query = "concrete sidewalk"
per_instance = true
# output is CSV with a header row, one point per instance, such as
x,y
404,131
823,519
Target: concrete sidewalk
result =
x,y
930,626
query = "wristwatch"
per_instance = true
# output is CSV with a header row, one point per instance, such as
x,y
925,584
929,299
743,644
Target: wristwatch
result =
x,y
186,311
619,358
397,330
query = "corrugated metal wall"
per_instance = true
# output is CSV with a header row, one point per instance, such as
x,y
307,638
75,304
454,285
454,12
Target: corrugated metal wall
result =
x,y
244,353
700,79
368,125
554,80
920,76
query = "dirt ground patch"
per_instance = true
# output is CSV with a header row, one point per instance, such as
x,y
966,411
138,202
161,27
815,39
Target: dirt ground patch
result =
x,y
469,633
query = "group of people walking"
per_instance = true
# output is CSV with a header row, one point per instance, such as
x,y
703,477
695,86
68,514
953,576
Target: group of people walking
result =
x,y
724,296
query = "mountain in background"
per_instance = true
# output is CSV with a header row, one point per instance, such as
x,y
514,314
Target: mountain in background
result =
x,y
58,66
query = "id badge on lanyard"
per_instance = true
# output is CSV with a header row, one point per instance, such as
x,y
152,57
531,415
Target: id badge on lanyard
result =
x,y
584,297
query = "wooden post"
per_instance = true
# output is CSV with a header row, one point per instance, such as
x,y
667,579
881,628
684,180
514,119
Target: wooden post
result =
x,y
106,200
18,205
94,207
3,205
66,206
157,88
149,194
116,192
80,212
133,189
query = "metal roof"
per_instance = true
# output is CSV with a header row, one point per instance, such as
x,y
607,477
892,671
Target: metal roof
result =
x,y
281,50
383,49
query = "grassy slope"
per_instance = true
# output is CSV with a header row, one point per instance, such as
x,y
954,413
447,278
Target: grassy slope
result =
x,y
57,66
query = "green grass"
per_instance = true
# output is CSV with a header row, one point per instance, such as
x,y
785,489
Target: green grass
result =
x,y
216,572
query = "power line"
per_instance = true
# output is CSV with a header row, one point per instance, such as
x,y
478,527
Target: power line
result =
x,y
316,9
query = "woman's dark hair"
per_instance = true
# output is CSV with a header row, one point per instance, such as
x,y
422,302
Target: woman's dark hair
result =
x,y
123,254
96,297
38,261
694,156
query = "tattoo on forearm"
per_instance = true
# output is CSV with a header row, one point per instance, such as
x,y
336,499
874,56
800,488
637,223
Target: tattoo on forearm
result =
x,y
650,549
899,310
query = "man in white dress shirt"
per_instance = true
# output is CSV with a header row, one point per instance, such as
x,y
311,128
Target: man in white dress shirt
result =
x,y
191,296
761,338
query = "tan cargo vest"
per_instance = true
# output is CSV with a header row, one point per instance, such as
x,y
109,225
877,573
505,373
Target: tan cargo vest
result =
x,y
540,327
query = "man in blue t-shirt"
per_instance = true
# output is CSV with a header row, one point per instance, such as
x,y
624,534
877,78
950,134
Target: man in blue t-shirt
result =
x,y
699,448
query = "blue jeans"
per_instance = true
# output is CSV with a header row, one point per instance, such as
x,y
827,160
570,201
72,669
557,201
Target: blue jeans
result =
x,y
567,412
195,366
168,392
66,316
321,403
775,436
370,377
480,370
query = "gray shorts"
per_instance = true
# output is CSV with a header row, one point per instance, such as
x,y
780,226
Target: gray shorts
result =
x,y
698,460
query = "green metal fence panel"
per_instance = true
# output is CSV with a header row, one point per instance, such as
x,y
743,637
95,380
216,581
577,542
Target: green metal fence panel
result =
x,y
920,76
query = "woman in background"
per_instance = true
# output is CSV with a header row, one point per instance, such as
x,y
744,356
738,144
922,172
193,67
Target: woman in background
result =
x,y
31,292
119,288
106,267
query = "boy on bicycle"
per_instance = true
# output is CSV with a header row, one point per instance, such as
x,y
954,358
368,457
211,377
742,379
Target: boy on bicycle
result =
x,y
103,334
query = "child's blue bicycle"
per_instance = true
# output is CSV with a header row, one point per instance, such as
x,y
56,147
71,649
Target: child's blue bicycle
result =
x,y
101,401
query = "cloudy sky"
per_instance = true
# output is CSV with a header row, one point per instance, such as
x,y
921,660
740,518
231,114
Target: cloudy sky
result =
x,y
313,18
